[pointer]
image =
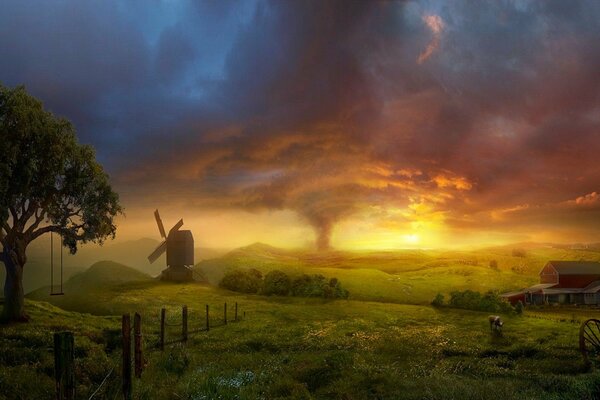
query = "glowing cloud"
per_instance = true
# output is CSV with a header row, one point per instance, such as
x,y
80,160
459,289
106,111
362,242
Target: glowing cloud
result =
x,y
436,25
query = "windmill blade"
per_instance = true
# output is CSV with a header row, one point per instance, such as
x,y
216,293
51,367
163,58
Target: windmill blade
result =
x,y
176,227
161,228
158,252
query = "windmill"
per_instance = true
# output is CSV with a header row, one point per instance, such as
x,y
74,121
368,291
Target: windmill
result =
x,y
179,246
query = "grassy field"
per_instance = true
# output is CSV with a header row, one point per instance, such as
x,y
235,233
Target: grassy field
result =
x,y
295,348
408,276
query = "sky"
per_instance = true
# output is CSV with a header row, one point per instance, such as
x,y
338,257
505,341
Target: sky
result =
x,y
335,124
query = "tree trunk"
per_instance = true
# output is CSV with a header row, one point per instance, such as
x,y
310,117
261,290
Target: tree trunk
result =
x,y
14,296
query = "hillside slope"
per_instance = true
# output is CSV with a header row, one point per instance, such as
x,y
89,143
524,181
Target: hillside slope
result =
x,y
404,276
85,291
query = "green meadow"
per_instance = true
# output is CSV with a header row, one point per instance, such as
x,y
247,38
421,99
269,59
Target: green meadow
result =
x,y
384,342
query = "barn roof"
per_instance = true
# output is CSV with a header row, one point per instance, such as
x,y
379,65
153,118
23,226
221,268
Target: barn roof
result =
x,y
539,286
576,267
592,287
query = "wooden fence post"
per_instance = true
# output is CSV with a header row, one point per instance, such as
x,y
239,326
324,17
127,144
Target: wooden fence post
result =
x,y
225,314
163,314
63,365
138,355
126,335
207,323
235,312
184,323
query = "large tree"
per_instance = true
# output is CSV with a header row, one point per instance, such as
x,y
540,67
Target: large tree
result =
x,y
48,183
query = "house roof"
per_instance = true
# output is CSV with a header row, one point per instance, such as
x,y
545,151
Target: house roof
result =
x,y
576,267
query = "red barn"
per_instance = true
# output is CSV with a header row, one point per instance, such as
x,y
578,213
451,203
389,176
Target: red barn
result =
x,y
564,282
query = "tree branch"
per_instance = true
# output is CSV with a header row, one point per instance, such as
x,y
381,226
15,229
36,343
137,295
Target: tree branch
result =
x,y
27,213
6,228
14,215
38,219
41,231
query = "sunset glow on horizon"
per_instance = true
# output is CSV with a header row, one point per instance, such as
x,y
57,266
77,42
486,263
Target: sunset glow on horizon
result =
x,y
335,125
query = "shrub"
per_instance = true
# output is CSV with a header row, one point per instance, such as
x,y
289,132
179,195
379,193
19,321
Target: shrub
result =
x,y
519,307
471,300
279,283
494,264
245,281
438,301
318,286
338,291
276,283
519,252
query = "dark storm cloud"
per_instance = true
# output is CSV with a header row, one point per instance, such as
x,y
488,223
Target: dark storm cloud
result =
x,y
486,112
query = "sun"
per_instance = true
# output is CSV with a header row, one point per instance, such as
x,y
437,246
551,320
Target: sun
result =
x,y
411,238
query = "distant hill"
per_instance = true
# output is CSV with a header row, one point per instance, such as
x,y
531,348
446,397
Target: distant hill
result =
x,y
103,274
99,283
132,253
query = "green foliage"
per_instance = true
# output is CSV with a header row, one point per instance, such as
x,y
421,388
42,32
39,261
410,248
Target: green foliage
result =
x,y
519,307
244,281
276,283
279,283
471,300
44,167
438,300
177,360
317,286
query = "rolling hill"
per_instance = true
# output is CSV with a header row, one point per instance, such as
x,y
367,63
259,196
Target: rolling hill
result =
x,y
132,253
84,291
402,276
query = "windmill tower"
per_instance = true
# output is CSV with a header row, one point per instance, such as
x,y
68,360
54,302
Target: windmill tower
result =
x,y
179,246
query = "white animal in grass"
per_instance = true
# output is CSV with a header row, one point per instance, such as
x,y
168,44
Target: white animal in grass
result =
x,y
495,323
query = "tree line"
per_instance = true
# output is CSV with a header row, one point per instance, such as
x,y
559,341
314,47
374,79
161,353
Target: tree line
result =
x,y
278,283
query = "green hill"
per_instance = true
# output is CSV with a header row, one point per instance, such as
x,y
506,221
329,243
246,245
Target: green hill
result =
x,y
85,291
105,273
403,276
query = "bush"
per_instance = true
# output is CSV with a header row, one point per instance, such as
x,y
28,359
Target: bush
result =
x,y
276,283
471,300
317,286
519,307
279,283
494,264
245,281
338,291
519,253
438,301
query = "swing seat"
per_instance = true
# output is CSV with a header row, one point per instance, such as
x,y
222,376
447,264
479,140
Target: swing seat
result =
x,y
57,294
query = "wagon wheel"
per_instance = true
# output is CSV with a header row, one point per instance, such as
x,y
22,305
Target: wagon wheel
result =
x,y
589,340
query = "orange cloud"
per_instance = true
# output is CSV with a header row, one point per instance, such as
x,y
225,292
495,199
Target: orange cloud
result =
x,y
588,200
456,182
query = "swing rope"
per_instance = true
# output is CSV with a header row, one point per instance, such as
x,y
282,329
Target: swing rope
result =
x,y
52,292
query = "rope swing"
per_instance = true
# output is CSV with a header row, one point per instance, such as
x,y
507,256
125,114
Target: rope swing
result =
x,y
52,292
